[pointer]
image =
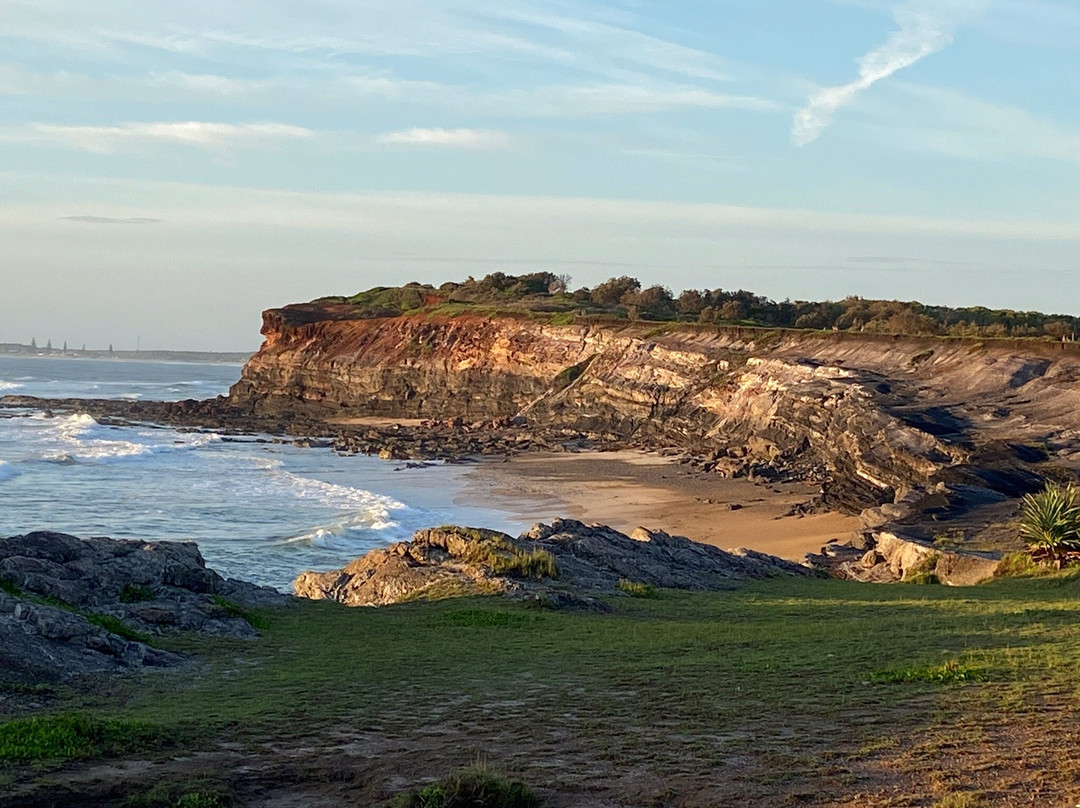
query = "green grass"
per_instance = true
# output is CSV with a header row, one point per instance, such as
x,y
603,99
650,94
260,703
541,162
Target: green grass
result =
x,y
475,787
946,673
9,587
61,737
730,674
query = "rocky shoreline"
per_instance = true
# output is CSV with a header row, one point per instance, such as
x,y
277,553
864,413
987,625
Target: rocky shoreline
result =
x,y
70,607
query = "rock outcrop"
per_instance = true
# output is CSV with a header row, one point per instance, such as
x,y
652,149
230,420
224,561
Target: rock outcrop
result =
x,y
885,557
71,606
566,563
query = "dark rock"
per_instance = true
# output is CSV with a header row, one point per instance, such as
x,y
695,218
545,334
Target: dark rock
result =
x,y
46,630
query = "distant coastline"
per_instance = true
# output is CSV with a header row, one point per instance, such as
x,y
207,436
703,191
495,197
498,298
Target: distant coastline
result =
x,y
217,357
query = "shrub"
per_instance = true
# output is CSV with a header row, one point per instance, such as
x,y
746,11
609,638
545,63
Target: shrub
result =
x,y
473,788
1050,522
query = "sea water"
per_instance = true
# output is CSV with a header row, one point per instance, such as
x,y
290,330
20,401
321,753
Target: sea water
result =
x,y
259,509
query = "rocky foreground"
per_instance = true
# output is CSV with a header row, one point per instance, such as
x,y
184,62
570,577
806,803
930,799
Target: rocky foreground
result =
x,y
71,607
565,564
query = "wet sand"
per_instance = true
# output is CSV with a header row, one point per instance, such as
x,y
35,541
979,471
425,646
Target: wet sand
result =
x,y
631,489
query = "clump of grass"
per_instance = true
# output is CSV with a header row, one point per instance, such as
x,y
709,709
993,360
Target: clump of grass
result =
x,y
1019,565
200,799
116,626
253,619
1050,522
571,374
8,587
134,593
472,788
635,589
501,556
61,737
924,573
946,673
177,795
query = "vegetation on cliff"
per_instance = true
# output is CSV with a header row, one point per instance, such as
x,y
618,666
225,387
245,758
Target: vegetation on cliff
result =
x,y
623,297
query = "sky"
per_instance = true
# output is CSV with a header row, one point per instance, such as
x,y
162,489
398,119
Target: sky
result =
x,y
169,170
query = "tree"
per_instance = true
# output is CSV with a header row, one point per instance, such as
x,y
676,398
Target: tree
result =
x,y
655,301
561,284
33,343
691,302
65,346
733,310
613,290
48,345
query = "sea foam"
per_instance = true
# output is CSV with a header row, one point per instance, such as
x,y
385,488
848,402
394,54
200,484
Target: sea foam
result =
x,y
80,438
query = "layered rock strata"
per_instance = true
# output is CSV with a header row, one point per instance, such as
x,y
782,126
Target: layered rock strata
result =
x,y
877,419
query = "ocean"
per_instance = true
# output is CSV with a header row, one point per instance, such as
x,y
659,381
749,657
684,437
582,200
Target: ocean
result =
x,y
259,510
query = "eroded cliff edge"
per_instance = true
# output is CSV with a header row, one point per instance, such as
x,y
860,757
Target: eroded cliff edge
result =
x,y
931,429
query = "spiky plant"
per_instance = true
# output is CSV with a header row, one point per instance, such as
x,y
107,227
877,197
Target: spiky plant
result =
x,y
1050,522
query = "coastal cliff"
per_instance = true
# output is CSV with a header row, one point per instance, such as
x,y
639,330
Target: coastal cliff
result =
x,y
874,417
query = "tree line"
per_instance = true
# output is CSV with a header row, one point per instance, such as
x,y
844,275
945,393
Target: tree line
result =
x,y
625,297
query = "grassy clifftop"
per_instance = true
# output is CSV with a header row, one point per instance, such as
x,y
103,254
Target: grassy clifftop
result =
x,y
549,296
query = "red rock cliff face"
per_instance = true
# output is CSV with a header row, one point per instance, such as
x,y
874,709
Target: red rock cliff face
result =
x,y
889,412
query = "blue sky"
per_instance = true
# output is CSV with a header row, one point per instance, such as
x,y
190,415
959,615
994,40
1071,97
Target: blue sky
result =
x,y
169,169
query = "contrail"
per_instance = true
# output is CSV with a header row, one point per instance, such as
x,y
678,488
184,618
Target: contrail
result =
x,y
925,27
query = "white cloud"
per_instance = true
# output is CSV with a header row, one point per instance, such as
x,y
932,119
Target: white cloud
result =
x,y
136,136
449,138
925,27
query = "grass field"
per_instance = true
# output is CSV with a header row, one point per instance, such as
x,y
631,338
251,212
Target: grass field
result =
x,y
787,692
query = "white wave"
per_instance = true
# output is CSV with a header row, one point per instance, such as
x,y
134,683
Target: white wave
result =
x,y
9,385
6,471
80,438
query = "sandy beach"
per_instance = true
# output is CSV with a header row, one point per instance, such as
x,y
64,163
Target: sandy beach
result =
x,y
631,489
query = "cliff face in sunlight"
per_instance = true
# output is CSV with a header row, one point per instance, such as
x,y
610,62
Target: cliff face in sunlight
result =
x,y
883,414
